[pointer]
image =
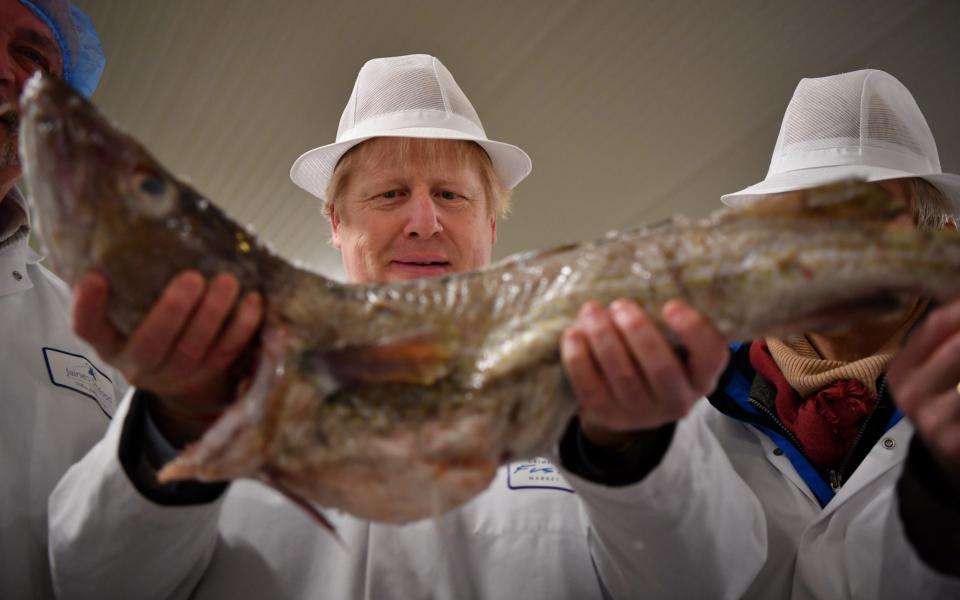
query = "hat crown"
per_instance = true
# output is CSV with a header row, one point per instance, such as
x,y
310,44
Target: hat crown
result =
x,y
407,91
866,117
412,96
864,125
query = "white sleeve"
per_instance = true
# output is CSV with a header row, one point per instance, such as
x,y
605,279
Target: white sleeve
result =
x,y
691,529
108,541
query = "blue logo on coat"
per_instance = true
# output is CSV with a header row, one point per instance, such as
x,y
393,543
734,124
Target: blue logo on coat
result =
x,y
538,473
75,372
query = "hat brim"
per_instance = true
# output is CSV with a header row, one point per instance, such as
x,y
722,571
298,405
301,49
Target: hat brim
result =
x,y
800,179
313,169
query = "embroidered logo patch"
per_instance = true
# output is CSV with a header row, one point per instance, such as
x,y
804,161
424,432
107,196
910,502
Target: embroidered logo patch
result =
x,y
537,473
75,372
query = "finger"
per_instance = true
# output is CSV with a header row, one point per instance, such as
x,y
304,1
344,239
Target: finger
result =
x,y
949,444
938,373
943,368
153,340
661,369
237,335
582,373
204,325
611,354
89,317
937,415
707,350
936,327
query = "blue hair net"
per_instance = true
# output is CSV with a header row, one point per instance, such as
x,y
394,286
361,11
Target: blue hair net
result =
x,y
79,44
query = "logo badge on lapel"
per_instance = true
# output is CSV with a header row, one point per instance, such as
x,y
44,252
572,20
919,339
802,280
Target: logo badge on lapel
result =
x,y
537,473
75,372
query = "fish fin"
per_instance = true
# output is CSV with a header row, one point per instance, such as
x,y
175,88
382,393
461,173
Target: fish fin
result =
x,y
234,445
417,359
272,478
230,449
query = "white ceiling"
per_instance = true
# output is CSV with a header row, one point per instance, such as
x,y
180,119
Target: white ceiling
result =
x,y
631,111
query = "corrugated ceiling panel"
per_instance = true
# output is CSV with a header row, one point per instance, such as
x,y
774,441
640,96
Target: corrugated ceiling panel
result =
x,y
630,110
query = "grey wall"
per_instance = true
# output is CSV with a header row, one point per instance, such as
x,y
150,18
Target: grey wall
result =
x,y
631,110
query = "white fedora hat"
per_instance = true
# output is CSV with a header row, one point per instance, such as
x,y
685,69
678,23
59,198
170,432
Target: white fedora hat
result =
x,y
406,96
863,124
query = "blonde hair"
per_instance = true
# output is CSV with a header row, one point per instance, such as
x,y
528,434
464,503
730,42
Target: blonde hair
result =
x,y
931,210
429,151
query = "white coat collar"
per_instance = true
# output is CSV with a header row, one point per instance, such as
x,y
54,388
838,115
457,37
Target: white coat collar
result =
x,y
16,253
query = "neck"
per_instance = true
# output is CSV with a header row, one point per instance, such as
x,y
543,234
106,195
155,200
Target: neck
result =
x,y
864,339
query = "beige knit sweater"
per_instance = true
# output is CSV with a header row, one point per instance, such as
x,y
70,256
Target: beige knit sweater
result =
x,y
807,372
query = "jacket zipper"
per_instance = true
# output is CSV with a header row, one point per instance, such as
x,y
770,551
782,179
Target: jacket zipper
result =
x,y
780,426
837,476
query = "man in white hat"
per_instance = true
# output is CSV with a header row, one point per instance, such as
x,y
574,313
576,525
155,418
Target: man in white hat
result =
x,y
57,395
413,188
851,440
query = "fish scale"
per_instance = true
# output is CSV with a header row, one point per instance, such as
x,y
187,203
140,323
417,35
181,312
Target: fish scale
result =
x,y
398,401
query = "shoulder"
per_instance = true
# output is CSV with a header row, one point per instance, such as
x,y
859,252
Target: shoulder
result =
x,y
44,277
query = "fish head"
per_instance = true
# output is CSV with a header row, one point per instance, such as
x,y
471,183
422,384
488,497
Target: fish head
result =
x,y
93,189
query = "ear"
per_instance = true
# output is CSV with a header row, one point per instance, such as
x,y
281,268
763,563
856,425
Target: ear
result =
x,y
334,227
493,230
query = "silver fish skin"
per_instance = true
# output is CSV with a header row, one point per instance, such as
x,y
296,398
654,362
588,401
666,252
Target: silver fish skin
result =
x,y
398,401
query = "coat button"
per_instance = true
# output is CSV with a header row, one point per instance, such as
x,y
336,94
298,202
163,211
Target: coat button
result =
x,y
17,276
889,443
777,452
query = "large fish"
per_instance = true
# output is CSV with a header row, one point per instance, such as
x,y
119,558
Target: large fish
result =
x,y
398,401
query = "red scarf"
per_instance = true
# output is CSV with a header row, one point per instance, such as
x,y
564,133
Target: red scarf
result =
x,y
827,422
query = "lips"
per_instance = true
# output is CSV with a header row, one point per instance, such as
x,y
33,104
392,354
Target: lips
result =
x,y
411,267
423,263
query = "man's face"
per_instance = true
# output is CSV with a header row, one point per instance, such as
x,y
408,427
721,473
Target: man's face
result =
x,y
412,216
26,46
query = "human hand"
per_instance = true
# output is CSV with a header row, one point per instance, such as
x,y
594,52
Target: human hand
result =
x,y
924,378
182,351
627,377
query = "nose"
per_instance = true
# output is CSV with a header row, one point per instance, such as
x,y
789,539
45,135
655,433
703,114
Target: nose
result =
x,y
422,219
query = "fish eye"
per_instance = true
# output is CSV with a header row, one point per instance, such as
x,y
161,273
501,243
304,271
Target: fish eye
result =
x,y
152,195
152,185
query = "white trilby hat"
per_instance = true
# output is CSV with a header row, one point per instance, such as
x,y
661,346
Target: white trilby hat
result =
x,y
406,96
863,124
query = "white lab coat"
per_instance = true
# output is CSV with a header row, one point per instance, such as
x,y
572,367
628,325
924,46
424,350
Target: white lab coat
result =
x,y
854,547
57,398
684,532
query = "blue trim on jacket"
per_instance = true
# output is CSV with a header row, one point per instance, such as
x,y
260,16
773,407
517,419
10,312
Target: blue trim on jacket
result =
x,y
736,385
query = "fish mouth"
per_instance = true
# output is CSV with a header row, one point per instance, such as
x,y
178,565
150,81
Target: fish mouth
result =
x,y
55,173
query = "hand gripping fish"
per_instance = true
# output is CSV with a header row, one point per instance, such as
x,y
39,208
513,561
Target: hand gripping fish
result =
x,y
398,401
